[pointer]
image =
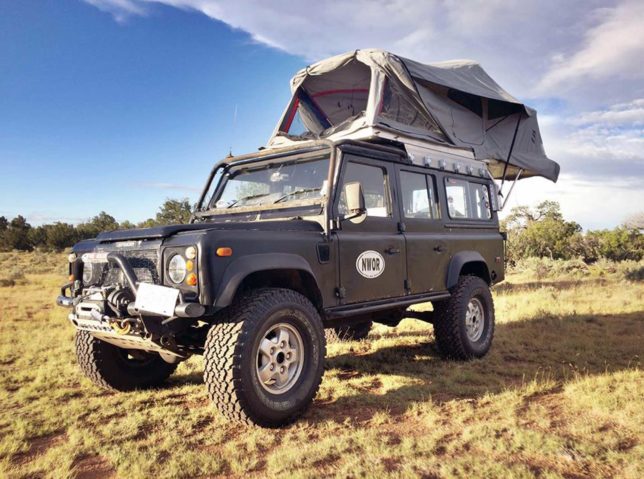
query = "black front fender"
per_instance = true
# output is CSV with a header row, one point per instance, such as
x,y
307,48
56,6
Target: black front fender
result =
x,y
242,267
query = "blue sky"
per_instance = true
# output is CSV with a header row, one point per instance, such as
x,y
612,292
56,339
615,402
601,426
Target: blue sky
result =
x,y
116,105
100,115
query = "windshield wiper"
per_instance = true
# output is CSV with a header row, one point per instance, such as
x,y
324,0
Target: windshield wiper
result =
x,y
296,193
246,198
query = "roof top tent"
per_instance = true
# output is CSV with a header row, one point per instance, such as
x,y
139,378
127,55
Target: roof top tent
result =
x,y
455,107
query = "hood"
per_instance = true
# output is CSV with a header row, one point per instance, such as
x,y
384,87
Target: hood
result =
x,y
159,232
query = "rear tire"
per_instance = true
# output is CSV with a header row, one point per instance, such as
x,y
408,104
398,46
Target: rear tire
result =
x,y
464,325
119,369
264,358
353,332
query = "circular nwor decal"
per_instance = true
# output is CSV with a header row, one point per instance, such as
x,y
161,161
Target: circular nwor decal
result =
x,y
370,264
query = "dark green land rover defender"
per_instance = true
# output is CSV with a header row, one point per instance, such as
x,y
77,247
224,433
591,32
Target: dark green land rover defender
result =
x,y
367,200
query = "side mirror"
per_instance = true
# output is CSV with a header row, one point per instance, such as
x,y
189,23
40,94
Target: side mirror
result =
x,y
355,198
355,202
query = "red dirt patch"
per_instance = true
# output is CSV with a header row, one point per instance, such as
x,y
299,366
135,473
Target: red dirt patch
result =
x,y
39,446
93,467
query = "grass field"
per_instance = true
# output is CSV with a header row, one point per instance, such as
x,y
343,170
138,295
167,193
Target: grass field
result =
x,y
561,394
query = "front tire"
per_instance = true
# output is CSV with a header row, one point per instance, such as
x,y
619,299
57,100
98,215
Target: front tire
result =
x,y
119,369
264,358
464,325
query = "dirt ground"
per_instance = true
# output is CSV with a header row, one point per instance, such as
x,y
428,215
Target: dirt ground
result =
x,y
561,394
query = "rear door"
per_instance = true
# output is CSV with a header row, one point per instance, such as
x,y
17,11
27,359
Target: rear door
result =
x,y
426,242
372,252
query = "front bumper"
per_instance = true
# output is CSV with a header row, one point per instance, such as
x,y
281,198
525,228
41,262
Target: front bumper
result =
x,y
93,310
182,310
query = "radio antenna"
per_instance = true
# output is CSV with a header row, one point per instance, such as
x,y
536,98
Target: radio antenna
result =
x,y
232,133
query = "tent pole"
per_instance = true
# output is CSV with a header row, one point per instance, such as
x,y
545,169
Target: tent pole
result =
x,y
516,178
507,161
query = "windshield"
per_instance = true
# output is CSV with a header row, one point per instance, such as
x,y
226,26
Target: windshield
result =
x,y
274,184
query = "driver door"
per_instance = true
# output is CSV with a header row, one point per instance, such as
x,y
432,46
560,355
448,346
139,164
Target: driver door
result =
x,y
372,249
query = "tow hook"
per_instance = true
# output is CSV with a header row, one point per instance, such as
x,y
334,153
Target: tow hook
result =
x,y
120,327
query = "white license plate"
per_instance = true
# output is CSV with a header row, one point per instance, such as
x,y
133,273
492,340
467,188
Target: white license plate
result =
x,y
156,299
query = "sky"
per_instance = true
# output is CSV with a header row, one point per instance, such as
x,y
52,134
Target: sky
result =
x,y
116,105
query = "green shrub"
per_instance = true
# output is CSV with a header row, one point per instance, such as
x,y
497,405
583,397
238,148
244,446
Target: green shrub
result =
x,y
631,270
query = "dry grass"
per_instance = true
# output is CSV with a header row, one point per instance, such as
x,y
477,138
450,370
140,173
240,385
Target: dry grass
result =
x,y
560,395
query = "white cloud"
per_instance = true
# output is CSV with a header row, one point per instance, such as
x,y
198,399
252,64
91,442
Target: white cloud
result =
x,y
613,49
602,145
542,46
601,154
622,114
586,55
120,9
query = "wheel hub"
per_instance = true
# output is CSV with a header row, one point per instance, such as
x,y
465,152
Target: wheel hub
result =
x,y
474,319
280,358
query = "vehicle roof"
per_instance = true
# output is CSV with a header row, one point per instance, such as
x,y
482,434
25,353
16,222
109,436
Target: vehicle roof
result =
x,y
402,150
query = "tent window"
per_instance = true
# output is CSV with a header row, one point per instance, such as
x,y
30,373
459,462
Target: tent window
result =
x,y
328,101
396,107
498,109
304,117
341,104
467,100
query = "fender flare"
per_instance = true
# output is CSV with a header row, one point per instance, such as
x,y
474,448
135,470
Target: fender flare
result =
x,y
459,260
239,269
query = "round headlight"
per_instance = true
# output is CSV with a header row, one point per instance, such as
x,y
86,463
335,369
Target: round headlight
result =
x,y
177,269
88,273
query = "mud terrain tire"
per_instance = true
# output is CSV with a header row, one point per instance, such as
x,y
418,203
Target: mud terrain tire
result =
x,y
236,350
459,335
111,367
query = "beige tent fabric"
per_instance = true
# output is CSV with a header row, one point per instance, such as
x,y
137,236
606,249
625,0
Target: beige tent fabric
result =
x,y
454,102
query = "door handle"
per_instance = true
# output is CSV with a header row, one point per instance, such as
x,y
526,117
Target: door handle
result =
x,y
439,248
392,251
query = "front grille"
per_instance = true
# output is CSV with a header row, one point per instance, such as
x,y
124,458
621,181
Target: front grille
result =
x,y
143,262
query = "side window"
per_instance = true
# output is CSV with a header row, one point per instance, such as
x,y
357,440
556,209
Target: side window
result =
x,y
481,197
467,200
372,179
457,198
417,195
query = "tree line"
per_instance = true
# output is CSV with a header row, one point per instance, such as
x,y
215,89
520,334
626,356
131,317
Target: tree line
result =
x,y
532,232
544,232
18,234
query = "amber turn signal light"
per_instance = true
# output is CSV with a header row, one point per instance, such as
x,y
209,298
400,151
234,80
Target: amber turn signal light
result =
x,y
191,280
224,251
190,265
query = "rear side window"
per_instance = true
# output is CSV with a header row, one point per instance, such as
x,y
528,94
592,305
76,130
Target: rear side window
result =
x,y
481,198
467,200
418,195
